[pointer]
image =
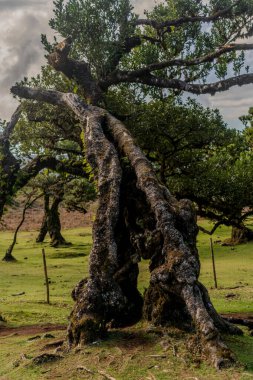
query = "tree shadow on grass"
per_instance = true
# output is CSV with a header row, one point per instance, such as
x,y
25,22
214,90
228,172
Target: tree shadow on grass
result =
x,y
68,254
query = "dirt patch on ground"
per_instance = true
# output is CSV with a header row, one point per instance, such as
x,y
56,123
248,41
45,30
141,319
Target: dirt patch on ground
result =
x,y
248,316
127,339
30,330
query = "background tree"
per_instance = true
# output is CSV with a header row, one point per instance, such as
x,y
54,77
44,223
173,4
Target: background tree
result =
x,y
36,139
74,195
137,216
52,187
29,198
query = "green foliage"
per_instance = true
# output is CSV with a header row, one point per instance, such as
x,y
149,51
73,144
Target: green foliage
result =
x,y
44,127
98,28
193,151
77,194
192,40
224,185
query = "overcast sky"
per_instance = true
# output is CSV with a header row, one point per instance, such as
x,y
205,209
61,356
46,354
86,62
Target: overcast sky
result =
x,y
21,54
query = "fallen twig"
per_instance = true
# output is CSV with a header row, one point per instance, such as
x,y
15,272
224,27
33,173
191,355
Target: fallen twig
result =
x,y
82,368
18,294
106,376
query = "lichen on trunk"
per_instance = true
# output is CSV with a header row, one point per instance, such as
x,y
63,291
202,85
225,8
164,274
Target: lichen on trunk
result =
x,y
110,293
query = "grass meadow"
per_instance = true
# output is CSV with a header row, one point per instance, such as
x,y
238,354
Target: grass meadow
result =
x,y
135,353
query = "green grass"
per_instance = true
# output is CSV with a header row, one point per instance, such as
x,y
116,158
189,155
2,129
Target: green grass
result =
x,y
66,266
234,267
126,354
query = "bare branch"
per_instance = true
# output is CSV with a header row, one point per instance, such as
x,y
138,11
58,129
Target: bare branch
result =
x,y
11,125
214,227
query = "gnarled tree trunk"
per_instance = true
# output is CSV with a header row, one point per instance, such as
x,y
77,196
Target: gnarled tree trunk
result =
x,y
43,228
54,223
152,225
240,235
51,221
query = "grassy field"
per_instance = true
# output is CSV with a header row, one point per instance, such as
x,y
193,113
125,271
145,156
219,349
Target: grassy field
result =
x,y
125,354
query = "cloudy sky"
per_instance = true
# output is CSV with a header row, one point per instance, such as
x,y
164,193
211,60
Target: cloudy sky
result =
x,y
21,54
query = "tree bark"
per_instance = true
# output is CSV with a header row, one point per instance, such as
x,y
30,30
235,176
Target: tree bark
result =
x,y
54,223
51,221
43,228
110,294
240,235
166,236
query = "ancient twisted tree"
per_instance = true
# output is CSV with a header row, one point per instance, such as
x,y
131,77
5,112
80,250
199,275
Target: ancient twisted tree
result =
x,y
108,51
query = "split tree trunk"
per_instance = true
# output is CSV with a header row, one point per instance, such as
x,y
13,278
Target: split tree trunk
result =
x,y
159,228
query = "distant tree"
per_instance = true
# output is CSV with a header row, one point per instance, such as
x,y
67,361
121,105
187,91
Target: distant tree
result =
x,y
52,187
30,198
73,193
36,139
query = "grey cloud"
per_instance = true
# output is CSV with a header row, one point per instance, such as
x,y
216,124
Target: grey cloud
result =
x,y
21,50
10,4
21,54
140,6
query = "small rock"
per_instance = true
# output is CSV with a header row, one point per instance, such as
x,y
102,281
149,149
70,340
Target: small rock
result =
x,y
230,295
46,358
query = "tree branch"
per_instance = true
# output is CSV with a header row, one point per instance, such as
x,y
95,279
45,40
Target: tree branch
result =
x,y
77,70
39,163
210,88
179,62
213,229
11,125
225,13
